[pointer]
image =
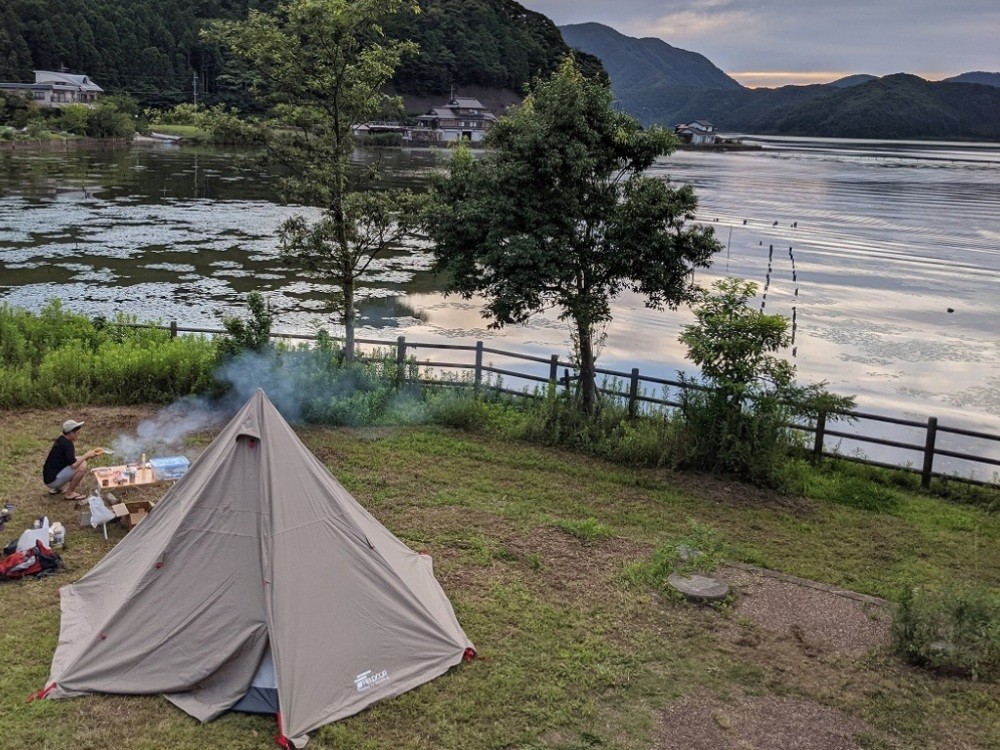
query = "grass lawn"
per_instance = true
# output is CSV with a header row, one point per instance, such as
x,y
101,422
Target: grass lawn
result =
x,y
532,545
184,131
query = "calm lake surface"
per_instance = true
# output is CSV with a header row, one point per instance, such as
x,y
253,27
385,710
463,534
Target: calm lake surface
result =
x,y
886,254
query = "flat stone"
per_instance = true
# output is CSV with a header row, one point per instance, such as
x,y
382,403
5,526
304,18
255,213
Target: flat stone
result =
x,y
701,587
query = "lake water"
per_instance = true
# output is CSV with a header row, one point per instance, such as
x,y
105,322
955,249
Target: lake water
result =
x,y
886,254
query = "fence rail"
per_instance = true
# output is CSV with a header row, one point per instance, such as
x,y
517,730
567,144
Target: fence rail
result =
x,y
925,451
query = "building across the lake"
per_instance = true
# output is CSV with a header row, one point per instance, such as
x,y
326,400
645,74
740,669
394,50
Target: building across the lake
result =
x,y
55,89
697,133
462,118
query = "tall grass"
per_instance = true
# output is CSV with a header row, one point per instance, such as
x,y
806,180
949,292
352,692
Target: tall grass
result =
x,y
56,358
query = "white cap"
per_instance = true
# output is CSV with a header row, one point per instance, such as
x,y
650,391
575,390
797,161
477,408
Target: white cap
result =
x,y
71,424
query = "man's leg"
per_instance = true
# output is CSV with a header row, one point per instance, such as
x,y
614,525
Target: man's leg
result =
x,y
77,477
62,480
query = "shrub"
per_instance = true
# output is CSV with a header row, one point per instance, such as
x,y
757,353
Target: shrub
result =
x,y
459,407
251,334
106,120
955,631
738,423
73,119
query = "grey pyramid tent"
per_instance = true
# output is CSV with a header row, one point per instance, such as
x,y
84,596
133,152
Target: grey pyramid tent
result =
x,y
257,580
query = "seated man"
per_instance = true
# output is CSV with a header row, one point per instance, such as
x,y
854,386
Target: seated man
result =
x,y
63,471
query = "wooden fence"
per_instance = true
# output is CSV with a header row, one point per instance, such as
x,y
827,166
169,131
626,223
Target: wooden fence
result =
x,y
635,394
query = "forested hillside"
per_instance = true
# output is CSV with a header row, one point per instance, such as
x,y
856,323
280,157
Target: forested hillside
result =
x,y
977,76
151,48
897,106
147,48
491,43
645,65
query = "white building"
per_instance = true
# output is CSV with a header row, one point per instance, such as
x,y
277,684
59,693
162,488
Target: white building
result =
x,y
52,89
698,132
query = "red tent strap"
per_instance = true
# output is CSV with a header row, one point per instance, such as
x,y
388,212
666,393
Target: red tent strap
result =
x,y
41,693
469,655
281,740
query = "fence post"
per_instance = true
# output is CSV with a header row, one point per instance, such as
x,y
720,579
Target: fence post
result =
x,y
173,329
633,393
479,363
400,360
925,475
554,369
820,429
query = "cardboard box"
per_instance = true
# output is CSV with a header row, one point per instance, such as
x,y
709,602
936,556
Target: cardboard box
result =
x,y
131,512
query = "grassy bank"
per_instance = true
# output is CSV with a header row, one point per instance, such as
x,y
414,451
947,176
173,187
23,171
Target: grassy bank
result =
x,y
532,545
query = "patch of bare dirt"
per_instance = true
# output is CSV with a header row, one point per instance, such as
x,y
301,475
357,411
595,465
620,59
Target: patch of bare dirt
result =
x,y
817,619
756,723
738,495
573,568
805,640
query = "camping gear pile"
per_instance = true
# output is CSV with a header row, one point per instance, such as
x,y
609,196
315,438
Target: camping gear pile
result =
x,y
38,561
32,554
257,583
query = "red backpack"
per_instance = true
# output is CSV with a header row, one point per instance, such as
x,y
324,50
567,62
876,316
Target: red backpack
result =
x,y
36,561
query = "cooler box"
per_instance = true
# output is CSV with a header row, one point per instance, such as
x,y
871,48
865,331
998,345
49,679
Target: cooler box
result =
x,y
169,467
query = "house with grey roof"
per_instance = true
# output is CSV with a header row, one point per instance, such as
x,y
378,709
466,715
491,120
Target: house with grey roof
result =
x,y
55,89
462,118
699,132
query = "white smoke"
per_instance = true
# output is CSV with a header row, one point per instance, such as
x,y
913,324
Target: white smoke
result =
x,y
252,370
165,433
289,382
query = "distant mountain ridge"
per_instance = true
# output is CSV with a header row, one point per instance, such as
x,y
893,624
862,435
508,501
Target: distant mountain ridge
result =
x,y
656,82
640,64
976,76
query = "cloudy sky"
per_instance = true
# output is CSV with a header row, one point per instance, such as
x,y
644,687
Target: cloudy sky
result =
x,y
774,42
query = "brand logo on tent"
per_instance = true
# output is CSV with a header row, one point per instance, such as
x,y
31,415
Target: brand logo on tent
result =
x,y
367,680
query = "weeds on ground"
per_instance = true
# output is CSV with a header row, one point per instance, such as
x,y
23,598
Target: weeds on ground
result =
x,y
954,630
586,530
702,550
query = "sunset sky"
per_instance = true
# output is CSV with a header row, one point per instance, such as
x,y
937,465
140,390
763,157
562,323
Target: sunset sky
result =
x,y
777,42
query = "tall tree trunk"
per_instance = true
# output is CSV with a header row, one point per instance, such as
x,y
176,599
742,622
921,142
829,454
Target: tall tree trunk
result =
x,y
348,286
588,377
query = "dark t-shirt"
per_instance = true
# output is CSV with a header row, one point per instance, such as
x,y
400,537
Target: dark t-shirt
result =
x,y
63,454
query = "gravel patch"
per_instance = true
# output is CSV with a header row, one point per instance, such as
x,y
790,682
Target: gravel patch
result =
x,y
820,618
756,723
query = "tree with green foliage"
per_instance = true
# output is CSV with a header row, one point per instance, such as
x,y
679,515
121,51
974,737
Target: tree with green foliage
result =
x,y
16,109
73,118
320,66
107,120
559,213
737,416
252,334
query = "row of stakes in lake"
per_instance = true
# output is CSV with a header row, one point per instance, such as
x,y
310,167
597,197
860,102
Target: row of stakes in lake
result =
x,y
767,277
767,285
